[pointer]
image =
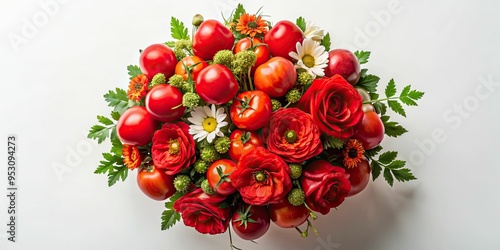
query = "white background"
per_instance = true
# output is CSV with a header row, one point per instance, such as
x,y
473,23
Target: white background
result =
x,y
53,81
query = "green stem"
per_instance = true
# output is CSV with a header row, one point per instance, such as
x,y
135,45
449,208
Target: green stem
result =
x,y
231,240
381,100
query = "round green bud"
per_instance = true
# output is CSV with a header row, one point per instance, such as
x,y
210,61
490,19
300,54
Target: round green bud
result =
x,y
305,78
181,183
296,197
158,79
197,20
176,81
209,154
222,144
201,167
276,104
295,170
207,189
190,100
293,95
224,57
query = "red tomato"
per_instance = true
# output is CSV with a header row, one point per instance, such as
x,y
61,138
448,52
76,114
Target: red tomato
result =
x,y
286,215
359,177
251,110
136,126
155,183
275,77
157,58
370,130
344,63
262,51
282,38
218,176
189,61
164,103
250,222
216,84
243,142
211,37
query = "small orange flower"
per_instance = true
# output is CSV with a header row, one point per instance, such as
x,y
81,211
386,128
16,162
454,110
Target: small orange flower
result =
x,y
138,87
251,25
131,156
353,153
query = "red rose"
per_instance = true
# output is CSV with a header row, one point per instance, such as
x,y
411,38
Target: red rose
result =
x,y
293,135
335,106
261,177
325,185
173,148
203,212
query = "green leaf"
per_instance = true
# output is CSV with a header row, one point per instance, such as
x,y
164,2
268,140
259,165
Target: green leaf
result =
x,y
397,164
376,169
392,129
396,107
301,22
326,42
238,12
387,157
408,101
133,71
107,165
170,44
403,175
116,147
388,176
117,99
363,72
415,94
115,115
406,90
380,107
169,218
390,89
104,120
119,172
332,142
178,30
373,152
369,83
99,132
362,56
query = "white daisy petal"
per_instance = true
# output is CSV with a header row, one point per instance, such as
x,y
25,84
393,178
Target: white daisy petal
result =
x,y
222,124
210,137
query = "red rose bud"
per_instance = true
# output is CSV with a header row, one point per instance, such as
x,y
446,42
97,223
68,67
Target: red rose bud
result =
x,y
261,177
173,148
335,106
324,185
293,135
203,212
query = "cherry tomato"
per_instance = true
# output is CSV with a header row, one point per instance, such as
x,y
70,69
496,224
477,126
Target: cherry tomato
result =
x,y
251,110
261,50
136,126
250,222
164,103
243,142
188,61
286,215
155,183
216,84
359,177
370,131
275,77
344,63
211,37
157,58
218,176
363,93
282,38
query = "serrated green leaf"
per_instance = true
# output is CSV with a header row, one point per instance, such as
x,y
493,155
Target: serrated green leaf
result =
x,y
169,218
170,203
238,12
326,42
396,107
406,90
120,172
408,101
403,175
332,142
380,107
115,115
104,120
415,94
362,56
388,157
390,89
117,99
376,169
99,132
369,83
133,71
388,176
363,72
116,147
397,164
393,129
170,44
373,152
301,22
178,30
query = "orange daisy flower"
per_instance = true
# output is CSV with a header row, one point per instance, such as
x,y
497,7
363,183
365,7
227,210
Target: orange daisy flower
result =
x,y
138,87
353,153
251,25
131,156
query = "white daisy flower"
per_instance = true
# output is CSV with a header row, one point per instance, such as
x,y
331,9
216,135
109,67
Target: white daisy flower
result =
x,y
206,123
310,56
314,32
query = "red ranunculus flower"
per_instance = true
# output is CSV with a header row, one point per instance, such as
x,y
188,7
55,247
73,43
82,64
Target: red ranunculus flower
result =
x,y
261,177
173,148
203,212
335,106
325,185
292,134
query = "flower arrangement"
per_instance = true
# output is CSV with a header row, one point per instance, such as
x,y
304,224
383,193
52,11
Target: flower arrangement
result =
x,y
245,122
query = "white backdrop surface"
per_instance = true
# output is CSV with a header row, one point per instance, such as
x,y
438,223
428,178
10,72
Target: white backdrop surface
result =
x,y
59,57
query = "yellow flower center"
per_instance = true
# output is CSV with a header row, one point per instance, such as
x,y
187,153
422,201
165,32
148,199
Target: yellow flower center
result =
x,y
173,147
209,124
308,61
